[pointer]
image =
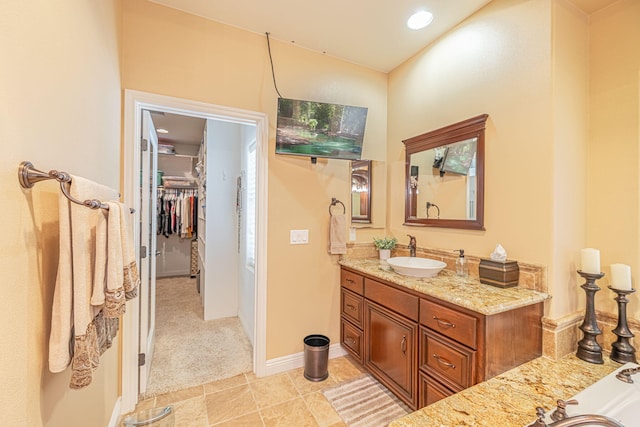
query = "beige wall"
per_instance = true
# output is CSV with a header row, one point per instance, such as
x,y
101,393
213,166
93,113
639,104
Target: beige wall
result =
x,y
496,62
614,143
172,53
60,109
568,156
561,91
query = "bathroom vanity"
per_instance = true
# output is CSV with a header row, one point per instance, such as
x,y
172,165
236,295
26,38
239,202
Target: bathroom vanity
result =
x,y
428,338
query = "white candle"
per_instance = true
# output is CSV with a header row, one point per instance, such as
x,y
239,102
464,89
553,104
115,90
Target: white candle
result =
x,y
590,260
621,277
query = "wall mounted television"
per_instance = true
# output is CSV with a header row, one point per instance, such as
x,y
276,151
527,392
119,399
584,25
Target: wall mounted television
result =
x,y
318,129
459,157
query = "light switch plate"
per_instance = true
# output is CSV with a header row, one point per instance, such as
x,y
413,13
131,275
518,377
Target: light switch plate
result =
x,y
299,237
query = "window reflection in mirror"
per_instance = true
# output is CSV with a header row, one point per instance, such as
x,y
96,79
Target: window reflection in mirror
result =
x,y
445,176
361,191
368,207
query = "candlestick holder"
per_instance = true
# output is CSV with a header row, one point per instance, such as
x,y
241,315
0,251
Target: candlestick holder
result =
x,y
588,348
622,351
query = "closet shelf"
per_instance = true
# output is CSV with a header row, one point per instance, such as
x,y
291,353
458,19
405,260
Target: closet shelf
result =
x,y
186,156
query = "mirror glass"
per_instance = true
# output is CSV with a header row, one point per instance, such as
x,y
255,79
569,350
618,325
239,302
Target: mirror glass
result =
x,y
361,191
445,176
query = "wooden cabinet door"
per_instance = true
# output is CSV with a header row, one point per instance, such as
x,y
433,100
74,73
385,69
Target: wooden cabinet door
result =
x,y
391,351
431,390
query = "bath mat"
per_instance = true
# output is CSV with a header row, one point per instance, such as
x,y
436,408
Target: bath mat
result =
x,y
364,402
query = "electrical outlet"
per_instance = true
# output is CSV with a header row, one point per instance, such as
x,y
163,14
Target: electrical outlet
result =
x,y
352,234
298,237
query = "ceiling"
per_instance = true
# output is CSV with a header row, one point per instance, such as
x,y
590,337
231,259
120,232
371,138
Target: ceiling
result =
x,y
182,129
371,33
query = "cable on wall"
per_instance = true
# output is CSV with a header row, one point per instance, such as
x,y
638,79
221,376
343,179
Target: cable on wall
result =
x,y
273,73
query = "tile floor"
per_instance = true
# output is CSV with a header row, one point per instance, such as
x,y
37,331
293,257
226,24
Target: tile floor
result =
x,y
286,399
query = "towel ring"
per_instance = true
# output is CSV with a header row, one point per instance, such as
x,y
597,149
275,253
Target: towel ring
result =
x,y
334,202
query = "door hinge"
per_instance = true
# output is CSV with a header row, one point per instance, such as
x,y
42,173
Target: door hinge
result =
x,y
144,145
142,359
143,252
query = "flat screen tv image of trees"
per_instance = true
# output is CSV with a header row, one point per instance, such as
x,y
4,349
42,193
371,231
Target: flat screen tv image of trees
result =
x,y
317,129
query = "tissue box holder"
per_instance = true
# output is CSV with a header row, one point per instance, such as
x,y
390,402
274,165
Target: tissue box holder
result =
x,y
500,274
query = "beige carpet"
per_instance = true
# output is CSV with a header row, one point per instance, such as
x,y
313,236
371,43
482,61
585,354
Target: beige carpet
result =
x,y
364,402
188,350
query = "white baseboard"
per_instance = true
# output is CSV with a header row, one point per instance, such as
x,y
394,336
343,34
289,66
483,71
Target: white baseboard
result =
x,y
295,361
115,414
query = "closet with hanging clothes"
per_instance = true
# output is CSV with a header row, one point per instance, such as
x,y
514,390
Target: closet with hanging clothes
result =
x,y
177,229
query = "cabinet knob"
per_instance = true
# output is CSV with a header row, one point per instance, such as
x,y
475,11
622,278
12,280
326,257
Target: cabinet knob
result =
x,y
443,361
444,323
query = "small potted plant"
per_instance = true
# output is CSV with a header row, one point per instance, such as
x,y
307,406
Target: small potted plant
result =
x,y
384,246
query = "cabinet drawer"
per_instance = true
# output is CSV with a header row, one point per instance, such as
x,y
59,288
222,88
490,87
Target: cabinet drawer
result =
x,y
352,281
431,390
450,323
352,338
394,299
444,358
352,307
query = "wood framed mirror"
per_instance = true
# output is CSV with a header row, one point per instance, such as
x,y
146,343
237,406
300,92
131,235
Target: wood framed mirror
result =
x,y
445,176
361,191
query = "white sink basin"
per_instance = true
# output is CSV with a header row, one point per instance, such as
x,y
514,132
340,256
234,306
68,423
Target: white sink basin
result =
x,y
611,397
416,267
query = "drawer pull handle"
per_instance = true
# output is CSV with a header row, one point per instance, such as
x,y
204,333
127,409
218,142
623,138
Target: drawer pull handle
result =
x,y
403,345
350,341
444,323
443,361
351,307
349,281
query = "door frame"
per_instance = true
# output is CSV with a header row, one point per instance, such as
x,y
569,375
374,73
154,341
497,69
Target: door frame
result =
x,y
134,103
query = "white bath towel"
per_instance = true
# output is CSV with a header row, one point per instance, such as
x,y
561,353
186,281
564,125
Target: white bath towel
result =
x,y
337,234
72,318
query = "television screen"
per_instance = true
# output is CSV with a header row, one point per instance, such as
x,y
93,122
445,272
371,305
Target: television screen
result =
x,y
317,129
459,156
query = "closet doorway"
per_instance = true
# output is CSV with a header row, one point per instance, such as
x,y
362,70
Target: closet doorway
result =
x,y
230,217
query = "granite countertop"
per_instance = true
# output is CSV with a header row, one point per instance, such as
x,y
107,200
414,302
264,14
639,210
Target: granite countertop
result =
x,y
510,399
465,292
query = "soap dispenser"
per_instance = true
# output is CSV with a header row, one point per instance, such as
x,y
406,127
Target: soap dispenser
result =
x,y
462,268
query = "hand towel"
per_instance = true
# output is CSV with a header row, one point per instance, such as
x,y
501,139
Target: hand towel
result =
x,y
337,234
131,276
114,301
72,319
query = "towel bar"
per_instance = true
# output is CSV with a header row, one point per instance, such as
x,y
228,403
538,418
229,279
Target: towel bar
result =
x,y
28,176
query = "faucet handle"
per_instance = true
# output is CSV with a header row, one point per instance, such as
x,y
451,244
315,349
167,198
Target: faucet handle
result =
x,y
539,422
561,411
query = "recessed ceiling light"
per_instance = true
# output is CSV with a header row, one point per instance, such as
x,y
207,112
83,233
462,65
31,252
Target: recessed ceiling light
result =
x,y
419,20
160,130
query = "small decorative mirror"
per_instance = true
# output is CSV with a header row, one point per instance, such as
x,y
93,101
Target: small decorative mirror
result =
x,y
445,176
361,191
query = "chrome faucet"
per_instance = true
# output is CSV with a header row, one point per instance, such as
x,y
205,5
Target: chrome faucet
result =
x,y
574,421
625,374
412,245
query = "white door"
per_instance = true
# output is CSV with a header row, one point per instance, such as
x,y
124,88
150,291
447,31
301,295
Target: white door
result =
x,y
148,225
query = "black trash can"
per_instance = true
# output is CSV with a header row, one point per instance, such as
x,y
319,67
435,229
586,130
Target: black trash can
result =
x,y
316,357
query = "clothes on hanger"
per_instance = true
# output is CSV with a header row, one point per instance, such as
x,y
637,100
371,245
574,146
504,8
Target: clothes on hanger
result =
x,y
177,212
